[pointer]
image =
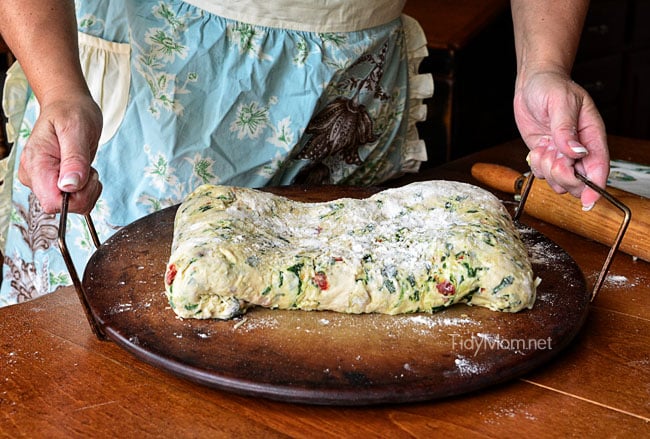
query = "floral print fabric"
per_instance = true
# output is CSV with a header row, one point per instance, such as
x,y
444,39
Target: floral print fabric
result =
x,y
631,177
212,100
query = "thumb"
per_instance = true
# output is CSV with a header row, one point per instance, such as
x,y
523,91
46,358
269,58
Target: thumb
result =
x,y
75,166
71,181
564,122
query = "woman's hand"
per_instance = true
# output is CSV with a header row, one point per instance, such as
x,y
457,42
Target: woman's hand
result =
x,y
60,150
57,157
561,125
556,117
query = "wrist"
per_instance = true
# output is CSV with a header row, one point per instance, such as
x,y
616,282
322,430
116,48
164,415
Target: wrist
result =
x,y
529,69
64,91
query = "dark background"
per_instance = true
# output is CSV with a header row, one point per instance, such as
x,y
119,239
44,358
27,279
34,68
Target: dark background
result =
x,y
613,64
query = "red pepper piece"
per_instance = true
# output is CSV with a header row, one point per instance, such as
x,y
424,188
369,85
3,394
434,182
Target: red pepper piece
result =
x,y
320,280
446,288
171,274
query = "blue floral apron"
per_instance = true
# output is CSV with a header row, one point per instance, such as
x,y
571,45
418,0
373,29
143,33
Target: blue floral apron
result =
x,y
192,97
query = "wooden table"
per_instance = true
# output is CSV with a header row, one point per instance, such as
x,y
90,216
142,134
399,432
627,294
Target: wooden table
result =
x,y
58,380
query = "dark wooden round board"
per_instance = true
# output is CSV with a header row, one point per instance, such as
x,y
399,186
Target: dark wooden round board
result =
x,y
325,357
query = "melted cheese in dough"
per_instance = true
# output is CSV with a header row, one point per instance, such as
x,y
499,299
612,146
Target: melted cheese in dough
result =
x,y
418,248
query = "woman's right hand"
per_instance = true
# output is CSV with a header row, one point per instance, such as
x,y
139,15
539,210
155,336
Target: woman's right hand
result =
x,y
561,125
60,150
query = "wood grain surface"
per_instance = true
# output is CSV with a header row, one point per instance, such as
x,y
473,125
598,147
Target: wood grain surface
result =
x,y
58,380
325,357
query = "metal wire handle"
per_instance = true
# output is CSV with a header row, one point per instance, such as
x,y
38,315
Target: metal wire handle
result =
x,y
94,325
619,235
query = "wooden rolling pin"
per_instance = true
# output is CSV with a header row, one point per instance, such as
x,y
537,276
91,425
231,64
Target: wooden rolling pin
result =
x,y
600,224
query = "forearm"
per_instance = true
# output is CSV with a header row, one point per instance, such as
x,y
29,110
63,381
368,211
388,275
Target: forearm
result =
x,y
43,37
547,33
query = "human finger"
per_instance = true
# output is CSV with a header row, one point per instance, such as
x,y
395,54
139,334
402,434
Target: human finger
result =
x,y
39,166
595,169
556,168
83,201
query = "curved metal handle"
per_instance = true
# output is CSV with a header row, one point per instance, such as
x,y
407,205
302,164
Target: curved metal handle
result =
x,y
94,325
619,235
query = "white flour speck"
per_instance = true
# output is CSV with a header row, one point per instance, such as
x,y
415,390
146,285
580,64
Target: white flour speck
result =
x,y
436,321
467,367
251,324
616,280
120,308
515,410
239,323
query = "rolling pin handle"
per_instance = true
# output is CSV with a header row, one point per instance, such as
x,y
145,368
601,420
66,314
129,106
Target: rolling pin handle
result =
x,y
498,177
81,293
519,184
524,196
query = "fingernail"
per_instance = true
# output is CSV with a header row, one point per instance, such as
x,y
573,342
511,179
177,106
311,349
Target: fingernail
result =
x,y
528,159
70,181
588,207
577,147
